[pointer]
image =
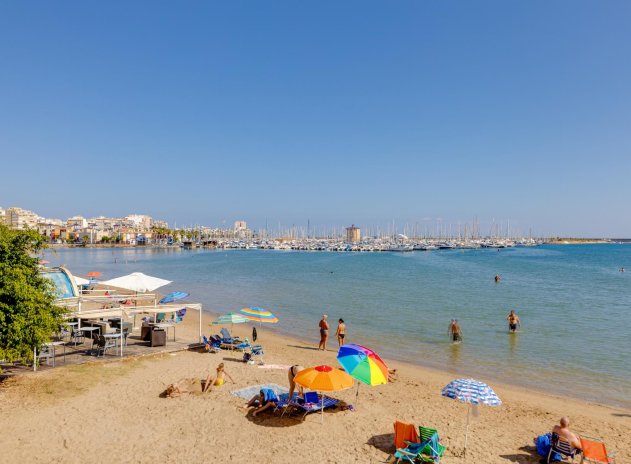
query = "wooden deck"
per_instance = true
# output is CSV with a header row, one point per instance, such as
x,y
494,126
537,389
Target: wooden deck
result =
x,y
69,354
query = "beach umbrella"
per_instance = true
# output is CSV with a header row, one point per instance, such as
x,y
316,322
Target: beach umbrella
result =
x,y
363,364
323,379
93,274
81,280
259,315
472,392
173,296
138,282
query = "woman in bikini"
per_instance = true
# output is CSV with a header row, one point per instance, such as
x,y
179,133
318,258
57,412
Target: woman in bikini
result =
x,y
341,331
219,378
324,332
291,374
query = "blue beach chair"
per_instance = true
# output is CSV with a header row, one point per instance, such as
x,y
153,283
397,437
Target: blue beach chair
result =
x,y
312,403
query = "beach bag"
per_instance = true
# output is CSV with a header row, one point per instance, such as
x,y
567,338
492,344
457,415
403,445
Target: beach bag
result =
x,y
542,442
247,357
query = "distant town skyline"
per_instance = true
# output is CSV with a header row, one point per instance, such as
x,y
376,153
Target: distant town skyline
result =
x,y
423,226
333,113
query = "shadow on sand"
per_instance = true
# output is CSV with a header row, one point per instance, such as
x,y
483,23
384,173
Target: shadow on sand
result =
x,y
303,347
383,442
528,457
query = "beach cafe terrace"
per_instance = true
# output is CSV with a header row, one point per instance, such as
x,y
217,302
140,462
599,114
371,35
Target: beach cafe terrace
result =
x,y
106,323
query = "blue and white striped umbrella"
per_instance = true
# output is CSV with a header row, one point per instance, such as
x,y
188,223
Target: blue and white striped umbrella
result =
x,y
471,391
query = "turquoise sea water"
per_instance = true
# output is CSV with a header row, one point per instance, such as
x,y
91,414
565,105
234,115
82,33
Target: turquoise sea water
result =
x,y
574,304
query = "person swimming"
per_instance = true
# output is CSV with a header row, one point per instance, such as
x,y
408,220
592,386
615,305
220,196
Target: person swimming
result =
x,y
497,278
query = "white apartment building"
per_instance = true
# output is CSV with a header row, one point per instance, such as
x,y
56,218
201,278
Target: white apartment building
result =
x,y
140,221
19,218
77,222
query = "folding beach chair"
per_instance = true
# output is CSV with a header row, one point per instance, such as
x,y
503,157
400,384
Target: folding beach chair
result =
x,y
433,450
404,432
560,446
257,351
594,451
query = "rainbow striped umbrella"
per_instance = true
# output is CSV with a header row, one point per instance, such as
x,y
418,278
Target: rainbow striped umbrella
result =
x,y
259,315
363,364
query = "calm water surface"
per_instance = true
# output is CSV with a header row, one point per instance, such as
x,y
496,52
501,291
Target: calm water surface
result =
x,y
574,304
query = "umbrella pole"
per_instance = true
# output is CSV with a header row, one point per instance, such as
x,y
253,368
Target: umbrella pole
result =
x,y
322,412
466,433
357,394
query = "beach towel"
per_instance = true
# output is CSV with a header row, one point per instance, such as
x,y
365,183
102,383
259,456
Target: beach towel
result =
x,y
274,366
248,392
404,432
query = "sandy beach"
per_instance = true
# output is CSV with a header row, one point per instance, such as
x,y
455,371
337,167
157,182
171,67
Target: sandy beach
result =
x,y
113,412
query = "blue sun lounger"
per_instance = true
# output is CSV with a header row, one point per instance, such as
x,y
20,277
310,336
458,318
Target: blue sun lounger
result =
x,y
312,403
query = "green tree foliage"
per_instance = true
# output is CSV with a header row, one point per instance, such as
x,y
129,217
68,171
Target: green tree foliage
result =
x,y
28,316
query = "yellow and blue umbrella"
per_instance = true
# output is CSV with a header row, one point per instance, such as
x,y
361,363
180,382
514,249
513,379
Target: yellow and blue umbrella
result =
x,y
259,315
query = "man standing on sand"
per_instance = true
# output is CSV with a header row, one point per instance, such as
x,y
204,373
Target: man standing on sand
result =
x,y
324,332
454,331
513,321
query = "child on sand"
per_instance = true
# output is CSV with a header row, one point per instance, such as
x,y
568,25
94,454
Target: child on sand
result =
x,y
218,380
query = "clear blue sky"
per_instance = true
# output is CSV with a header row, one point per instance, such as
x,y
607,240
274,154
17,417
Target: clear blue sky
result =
x,y
339,112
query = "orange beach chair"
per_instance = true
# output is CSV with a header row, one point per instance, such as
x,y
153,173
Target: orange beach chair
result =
x,y
403,433
594,451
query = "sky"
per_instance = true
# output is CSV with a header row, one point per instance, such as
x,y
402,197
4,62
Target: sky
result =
x,y
330,112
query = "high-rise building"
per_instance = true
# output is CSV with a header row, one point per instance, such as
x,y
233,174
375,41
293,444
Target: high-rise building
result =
x,y
3,215
353,234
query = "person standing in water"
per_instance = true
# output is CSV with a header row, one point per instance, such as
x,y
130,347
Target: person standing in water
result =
x,y
513,321
324,332
497,278
454,331
341,331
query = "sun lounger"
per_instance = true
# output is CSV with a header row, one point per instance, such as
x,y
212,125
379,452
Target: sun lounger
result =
x,y
227,338
312,403
595,452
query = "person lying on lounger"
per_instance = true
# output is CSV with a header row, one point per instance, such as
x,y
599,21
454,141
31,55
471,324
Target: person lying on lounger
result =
x,y
266,399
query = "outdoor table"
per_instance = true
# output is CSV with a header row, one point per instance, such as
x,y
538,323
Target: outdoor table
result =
x,y
165,326
89,329
53,345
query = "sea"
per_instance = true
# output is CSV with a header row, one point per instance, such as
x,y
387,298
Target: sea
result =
x,y
573,301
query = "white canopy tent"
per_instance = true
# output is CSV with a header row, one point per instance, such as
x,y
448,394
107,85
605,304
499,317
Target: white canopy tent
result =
x,y
137,281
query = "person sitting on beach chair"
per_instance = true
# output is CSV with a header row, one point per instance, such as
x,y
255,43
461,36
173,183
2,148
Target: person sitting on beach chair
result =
x,y
266,399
